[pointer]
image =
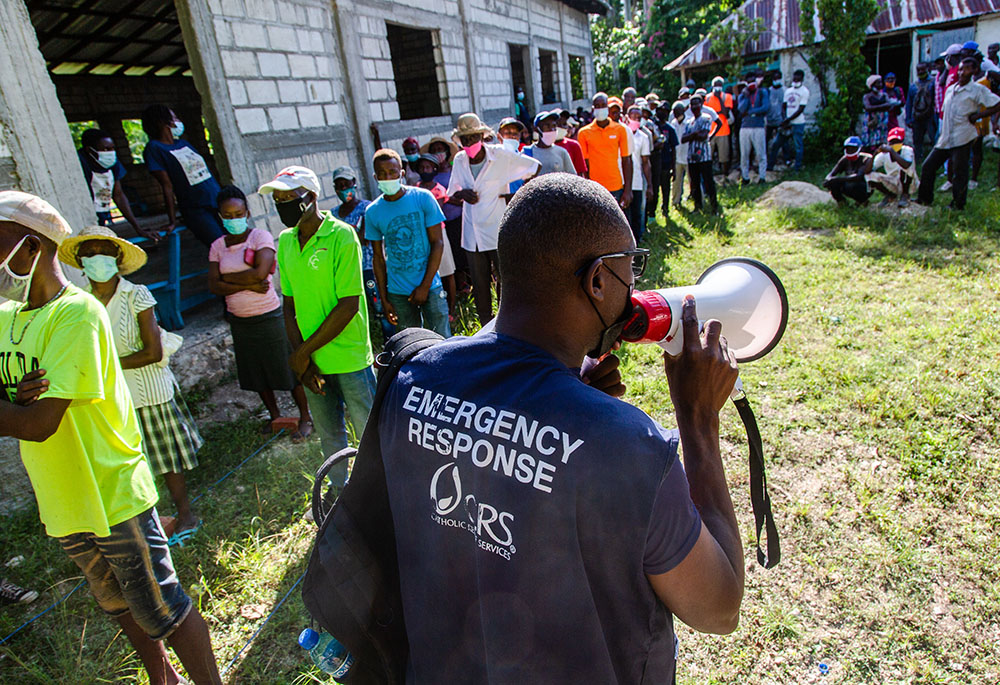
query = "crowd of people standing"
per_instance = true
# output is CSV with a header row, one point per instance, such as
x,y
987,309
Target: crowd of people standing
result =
x,y
95,389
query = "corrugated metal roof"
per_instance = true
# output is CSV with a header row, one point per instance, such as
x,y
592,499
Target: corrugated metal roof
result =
x,y
781,17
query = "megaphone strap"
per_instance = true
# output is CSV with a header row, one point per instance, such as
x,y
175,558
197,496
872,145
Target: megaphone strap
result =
x,y
760,500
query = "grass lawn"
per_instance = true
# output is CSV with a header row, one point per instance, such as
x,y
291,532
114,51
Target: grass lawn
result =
x,y
878,412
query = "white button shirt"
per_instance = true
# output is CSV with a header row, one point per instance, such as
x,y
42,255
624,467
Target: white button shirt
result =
x,y
959,102
481,221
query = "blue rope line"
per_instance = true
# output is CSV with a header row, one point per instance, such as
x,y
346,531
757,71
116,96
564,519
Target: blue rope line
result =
x,y
240,465
262,625
80,584
38,616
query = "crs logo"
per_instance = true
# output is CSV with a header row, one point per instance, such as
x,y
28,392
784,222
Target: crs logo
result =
x,y
485,521
450,495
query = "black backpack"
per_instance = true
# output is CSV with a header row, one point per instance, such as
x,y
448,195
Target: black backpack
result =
x,y
923,100
351,586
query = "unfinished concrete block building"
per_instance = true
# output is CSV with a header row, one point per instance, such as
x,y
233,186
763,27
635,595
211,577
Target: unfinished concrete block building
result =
x,y
274,82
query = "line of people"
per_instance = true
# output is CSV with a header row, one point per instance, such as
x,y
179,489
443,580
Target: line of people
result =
x,y
956,106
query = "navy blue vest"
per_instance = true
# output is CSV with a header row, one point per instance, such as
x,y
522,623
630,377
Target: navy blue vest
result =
x,y
521,499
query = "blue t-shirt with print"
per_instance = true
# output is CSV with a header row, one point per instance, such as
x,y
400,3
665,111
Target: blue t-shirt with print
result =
x,y
403,224
191,178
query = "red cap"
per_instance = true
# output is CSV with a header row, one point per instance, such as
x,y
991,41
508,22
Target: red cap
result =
x,y
652,318
897,133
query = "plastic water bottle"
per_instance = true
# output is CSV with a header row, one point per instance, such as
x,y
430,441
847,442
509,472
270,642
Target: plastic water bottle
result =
x,y
328,654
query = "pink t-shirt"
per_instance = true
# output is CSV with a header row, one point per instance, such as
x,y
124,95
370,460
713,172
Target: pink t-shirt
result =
x,y
231,260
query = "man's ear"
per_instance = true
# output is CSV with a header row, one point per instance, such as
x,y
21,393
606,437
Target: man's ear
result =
x,y
593,280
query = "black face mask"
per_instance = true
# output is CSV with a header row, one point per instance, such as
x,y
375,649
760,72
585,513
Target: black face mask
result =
x,y
291,212
427,176
613,331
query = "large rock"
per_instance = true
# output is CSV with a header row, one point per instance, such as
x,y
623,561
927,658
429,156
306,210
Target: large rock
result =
x,y
794,194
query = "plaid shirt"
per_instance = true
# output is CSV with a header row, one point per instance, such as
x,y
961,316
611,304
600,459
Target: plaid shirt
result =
x,y
698,150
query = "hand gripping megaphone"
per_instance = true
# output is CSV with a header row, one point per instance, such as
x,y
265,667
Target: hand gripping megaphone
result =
x,y
744,294
749,300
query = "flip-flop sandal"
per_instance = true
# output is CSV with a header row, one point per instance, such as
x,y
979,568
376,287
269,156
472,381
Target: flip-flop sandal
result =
x,y
180,538
300,436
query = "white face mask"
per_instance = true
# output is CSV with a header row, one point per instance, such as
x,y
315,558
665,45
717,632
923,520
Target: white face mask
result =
x,y
548,137
14,286
561,133
601,113
510,144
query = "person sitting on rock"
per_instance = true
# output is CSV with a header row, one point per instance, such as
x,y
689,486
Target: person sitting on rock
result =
x,y
892,171
847,178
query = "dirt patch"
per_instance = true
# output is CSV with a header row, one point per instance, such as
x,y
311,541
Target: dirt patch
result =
x,y
789,194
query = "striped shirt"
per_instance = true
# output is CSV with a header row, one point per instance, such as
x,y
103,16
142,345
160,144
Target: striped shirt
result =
x,y
150,384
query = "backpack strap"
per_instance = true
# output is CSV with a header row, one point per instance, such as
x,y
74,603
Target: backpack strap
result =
x,y
398,350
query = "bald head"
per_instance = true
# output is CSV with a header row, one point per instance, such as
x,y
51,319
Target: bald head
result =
x,y
554,225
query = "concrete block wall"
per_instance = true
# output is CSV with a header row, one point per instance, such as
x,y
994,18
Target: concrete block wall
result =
x,y
278,63
280,68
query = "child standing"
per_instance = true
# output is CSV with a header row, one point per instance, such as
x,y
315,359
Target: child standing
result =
x,y
240,268
170,440
409,222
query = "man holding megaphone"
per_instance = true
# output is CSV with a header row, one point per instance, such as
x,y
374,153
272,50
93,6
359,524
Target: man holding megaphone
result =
x,y
562,532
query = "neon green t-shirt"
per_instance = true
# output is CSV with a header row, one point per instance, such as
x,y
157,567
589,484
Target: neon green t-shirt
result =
x,y
317,277
91,473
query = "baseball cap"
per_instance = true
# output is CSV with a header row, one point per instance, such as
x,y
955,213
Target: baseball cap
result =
x,y
952,49
35,213
897,133
506,121
853,141
615,101
344,172
292,178
542,116
970,45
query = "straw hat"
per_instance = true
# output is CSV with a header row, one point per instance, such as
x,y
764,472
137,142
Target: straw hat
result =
x,y
426,147
133,257
469,124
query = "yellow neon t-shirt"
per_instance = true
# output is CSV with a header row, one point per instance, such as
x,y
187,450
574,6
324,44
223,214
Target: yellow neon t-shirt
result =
x,y
91,473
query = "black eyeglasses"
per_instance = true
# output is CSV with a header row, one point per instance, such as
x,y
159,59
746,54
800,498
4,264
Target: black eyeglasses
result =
x,y
639,256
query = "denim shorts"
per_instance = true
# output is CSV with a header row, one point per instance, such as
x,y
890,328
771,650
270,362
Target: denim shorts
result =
x,y
130,571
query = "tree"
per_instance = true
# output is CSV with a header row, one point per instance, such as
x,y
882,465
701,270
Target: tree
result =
x,y
730,39
844,24
642,46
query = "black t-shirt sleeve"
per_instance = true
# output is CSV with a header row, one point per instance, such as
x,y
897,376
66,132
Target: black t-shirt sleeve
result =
x,y
674,525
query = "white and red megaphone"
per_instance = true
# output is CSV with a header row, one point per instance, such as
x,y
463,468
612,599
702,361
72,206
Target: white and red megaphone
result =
x,y
744,294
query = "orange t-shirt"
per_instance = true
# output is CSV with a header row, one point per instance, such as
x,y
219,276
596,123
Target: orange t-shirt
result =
x,y
713,102
602,148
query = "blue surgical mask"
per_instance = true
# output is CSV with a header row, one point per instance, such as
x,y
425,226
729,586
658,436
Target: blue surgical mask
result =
x,y
237,226
100,268
776,84
412,158
106,158
390,187
520,96
177,130
346,194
